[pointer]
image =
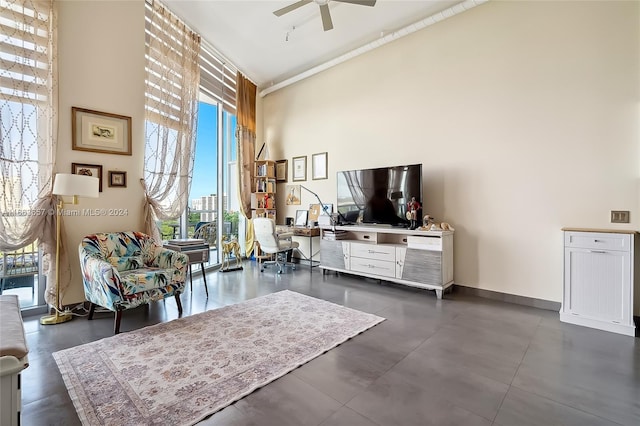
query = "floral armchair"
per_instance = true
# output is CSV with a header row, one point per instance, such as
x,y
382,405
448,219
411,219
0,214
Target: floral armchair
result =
x,y
122,270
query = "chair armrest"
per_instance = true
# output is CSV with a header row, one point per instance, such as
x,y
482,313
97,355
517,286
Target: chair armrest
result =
x,y
101,281
285,235
165,258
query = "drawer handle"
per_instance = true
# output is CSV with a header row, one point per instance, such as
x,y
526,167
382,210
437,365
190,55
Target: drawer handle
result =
x,y
598,251
599,241
376,252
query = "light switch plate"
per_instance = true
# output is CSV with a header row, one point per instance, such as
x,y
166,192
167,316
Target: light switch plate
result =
x,y
619,216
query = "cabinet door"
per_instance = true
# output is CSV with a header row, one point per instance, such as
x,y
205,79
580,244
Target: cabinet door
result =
x,y
422,266
597,284
334,254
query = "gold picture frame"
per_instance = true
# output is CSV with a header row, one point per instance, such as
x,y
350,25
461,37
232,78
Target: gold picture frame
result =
x,y
96,131
319,166
281,170
299,169
94,170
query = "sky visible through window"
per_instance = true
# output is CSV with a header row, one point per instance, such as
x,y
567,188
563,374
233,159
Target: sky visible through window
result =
x,y
205,169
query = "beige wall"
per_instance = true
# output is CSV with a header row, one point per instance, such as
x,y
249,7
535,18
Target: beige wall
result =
x,y
101,67
525,118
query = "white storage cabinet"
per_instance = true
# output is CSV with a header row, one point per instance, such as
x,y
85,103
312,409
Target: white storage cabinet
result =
x,y
599,279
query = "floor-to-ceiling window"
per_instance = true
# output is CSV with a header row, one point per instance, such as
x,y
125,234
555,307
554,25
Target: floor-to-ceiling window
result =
x,y
213,210
27,110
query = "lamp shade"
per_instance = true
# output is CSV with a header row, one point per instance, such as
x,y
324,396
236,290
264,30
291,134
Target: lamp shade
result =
x,y
78,185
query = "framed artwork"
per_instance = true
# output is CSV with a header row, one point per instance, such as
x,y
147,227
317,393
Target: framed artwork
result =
x,y
94,170
301,217
299,168
97,131
281,170
117,179
319,166
293,195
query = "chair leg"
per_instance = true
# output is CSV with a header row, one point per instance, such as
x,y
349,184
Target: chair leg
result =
x,y
204,278
116,326
92,309
179,303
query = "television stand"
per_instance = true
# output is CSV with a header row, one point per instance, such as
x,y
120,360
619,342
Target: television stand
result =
x,y
422,259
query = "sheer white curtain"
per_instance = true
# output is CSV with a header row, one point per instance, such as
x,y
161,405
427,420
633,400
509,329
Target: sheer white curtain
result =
x,y
28,130
171,111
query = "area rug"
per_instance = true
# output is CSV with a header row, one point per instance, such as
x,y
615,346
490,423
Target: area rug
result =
x,y
180,372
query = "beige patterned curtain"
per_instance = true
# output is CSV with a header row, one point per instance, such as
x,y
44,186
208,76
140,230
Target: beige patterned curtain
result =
x,y
171,111
246,136
28,131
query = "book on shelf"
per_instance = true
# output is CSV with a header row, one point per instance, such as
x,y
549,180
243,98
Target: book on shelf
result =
x,y
270,185
265,170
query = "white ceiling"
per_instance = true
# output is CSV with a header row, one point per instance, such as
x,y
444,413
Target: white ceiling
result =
x,y
270,49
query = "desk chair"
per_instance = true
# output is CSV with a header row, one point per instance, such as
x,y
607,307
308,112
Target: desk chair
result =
x,y
272,242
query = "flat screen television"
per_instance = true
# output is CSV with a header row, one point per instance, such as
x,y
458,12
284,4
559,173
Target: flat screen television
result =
x,y
380,195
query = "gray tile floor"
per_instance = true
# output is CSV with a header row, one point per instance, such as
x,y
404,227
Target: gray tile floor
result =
x,y
462,360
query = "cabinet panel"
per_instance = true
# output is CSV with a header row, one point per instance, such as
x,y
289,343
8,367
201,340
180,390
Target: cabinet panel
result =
x,y
422,266
334,254
596,283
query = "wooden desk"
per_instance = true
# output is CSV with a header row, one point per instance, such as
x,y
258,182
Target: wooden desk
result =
x,y
309,233
306,232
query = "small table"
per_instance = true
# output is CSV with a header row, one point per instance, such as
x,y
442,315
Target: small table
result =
x,y
197,251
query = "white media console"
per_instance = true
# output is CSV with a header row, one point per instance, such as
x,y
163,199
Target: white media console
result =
x,y
416,258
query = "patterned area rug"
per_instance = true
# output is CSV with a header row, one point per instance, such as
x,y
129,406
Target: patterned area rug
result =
x,y
180,372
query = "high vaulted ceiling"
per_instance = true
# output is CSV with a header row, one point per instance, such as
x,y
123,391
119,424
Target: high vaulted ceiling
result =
x,y
270,49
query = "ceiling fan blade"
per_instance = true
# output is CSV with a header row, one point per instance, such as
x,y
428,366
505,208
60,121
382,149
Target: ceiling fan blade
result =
x,y
326,17
360,2
291,7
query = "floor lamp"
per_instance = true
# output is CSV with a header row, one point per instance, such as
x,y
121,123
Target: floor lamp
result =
x,y
76,186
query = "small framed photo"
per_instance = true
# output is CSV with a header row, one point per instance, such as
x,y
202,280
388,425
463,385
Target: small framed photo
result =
x,y
319,163
281,170
301,217
299,168
117,179
97,131
94,170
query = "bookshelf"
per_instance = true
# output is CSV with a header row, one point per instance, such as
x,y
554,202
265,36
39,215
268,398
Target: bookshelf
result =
x,y
263,200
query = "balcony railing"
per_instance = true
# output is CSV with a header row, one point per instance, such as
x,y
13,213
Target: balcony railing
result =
x,y
18,269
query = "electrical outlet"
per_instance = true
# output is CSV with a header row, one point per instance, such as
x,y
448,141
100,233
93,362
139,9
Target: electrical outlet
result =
x,y
619,216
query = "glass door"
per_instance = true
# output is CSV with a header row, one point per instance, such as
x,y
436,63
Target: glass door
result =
x,y
202,218
20,274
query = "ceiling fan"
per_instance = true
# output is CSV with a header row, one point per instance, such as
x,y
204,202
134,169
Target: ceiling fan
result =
x,y
327,24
